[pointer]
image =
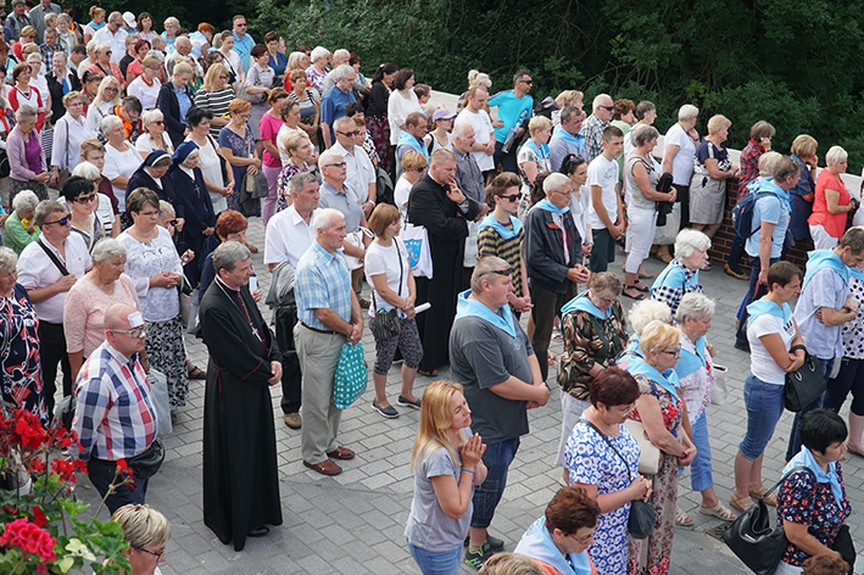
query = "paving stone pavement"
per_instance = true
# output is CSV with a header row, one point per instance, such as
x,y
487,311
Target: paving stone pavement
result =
x,y
353,523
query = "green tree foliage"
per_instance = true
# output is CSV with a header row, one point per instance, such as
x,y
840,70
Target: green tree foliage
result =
x,y
793,63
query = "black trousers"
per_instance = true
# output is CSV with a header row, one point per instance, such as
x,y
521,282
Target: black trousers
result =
x,y
286,319
52,349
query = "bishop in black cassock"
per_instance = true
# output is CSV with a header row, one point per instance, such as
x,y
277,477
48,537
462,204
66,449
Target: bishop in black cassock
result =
x,y
241,477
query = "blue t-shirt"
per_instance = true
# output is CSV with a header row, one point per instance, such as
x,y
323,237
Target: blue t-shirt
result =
x,y
333,104
511,110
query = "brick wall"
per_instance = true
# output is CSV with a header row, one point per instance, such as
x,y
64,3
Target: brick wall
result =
x,y
722,241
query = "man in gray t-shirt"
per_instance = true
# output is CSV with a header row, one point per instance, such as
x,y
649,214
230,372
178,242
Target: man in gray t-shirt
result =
x,y
491,356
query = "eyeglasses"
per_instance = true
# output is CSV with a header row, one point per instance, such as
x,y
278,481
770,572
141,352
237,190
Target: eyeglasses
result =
x,y
349,134
139,331
514,198
85,199
157,554
160,122
672,352
336,165
62,221
582,540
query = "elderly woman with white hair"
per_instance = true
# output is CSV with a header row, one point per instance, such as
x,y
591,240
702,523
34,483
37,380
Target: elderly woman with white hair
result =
x,y
680,142
641,314
154,136
27,165
695,369
712,168
640,178
20,229
107,98
84,310
147,531
121,157
20,373
317,71
831,202
681,276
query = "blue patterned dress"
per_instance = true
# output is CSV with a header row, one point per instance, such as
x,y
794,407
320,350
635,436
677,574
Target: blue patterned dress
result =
x,y
592,462
19,355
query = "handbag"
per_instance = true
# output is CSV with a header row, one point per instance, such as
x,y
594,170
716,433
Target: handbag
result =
x,y
804,385
145,465
386,323
351,375
260,187
642,516
845,546
469,257
159,398
416,241
755,538
649,456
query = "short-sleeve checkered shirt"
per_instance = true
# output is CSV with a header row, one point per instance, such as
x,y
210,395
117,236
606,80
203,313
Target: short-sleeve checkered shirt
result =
x,y
323,281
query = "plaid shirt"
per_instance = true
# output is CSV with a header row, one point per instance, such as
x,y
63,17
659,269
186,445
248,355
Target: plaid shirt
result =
x,y
323,281
48,55
114,418
592,129
749,163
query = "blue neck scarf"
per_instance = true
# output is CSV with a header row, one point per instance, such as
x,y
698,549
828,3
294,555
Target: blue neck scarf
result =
x,y
766,306
690,362
818,259
537,543
805,458
767,186
407,139
856,273
561,134
583,303
548,206
542,150
506,233
503,320
668,380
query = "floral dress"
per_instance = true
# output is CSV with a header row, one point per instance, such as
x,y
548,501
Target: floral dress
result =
x,y
19,355
241,146
283,183
804,501
592,461
651,556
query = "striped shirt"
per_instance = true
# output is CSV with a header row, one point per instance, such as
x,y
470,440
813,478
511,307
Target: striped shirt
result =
x,y
323,281
490,243
215,102
114,418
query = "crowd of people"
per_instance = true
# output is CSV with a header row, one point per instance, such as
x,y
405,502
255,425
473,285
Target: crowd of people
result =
x,y
136,159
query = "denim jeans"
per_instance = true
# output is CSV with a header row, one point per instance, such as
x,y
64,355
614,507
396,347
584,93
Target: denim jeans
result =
x,y
437,562
497,459
102,474
764,403
736,252
795,436
700,470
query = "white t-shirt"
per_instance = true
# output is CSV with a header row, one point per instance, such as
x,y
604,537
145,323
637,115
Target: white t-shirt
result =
x,y
146,94
401,193
762,365
580,209
211,169
682,165
385,260
398,109
483,132
145,144
119,164
36,270
603,173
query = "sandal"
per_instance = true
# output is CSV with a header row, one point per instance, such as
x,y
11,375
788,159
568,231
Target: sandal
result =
x,y
641,287
718,511
682,518
197,373
633,292
741,505
763,495
644,275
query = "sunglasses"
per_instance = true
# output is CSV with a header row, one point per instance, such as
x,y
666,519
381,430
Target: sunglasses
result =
x,y
172,222
514,198
85,199
62,221
350,134
160,122
608,108
336,165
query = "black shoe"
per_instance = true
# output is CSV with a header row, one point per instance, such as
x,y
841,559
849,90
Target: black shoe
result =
x,y
258,531
404,402
389,412
495,544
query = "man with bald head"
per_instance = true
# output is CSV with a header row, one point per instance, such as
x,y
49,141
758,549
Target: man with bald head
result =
x,y
592,128
114,417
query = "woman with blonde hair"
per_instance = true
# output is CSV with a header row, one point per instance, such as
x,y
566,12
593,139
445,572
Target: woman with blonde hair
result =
x,y
237,146
107,98
712,168
215,95
414,165
564,99
147,531
447,465
301,158
533,156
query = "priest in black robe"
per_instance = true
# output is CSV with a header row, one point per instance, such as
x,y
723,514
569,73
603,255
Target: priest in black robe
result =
x,y
241,477
437,204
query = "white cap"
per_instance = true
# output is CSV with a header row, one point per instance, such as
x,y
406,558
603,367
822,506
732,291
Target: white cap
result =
x,y
129,18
